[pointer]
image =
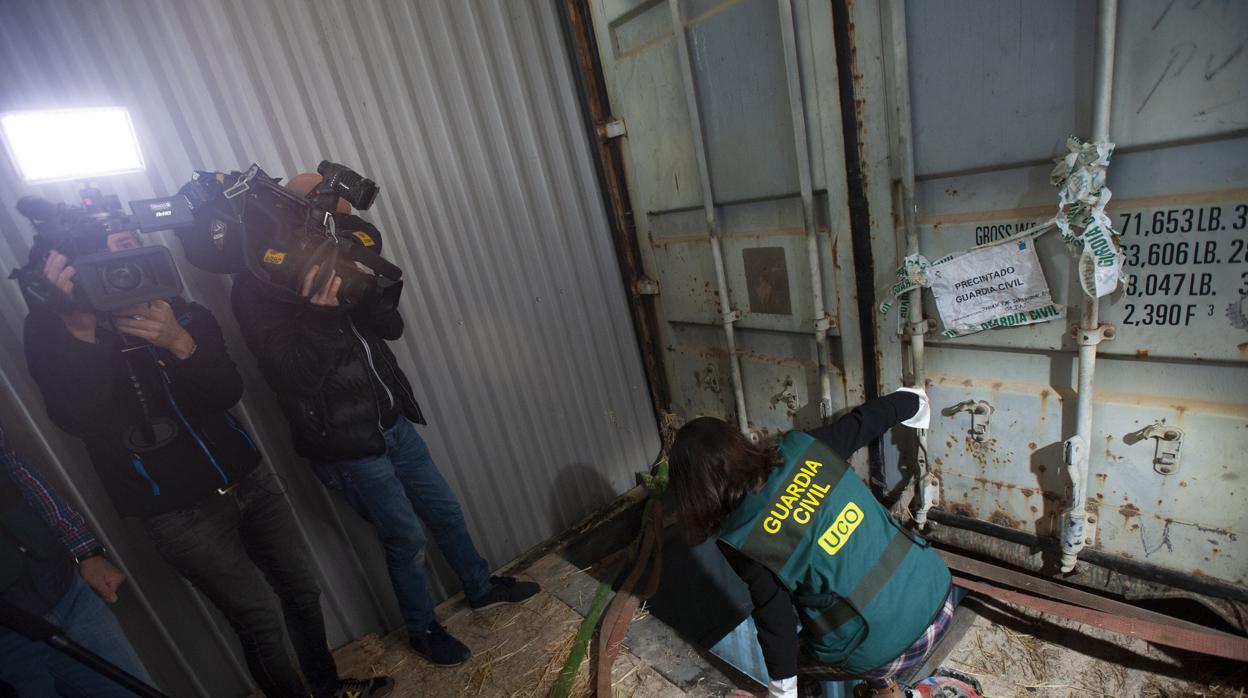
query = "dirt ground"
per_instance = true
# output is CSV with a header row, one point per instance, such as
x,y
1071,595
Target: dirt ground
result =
x,y
518,652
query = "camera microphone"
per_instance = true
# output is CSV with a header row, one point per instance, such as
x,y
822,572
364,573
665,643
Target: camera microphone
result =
x,y
37,208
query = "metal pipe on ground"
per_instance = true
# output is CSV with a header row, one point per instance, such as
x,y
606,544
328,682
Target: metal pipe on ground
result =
x,y
1090,332
926,488
728,316
797,106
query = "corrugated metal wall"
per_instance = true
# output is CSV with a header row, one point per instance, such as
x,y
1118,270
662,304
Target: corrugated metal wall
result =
x,y
518,343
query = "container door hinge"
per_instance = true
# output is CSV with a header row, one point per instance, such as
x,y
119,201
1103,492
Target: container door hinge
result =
x,y
646,287
1169,443
614,128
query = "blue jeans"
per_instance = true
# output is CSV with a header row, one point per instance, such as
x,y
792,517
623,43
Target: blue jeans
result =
x,y
36,670
395,492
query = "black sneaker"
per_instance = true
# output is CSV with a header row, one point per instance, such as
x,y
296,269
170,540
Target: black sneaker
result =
x,y
505,590
375,687
439,648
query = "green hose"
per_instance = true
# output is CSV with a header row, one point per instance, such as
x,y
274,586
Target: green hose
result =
x,y
567,676
657,484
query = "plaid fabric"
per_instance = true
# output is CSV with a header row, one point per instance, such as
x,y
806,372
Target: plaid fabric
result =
x,y
913,656
69,525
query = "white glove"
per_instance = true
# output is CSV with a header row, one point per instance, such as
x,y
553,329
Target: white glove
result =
x,y
782,688
923,418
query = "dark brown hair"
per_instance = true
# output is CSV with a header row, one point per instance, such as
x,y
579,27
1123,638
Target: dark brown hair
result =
x,y
712,466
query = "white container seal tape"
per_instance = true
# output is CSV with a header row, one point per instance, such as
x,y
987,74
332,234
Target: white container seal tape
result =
x,y
1082,197
998,286
911,274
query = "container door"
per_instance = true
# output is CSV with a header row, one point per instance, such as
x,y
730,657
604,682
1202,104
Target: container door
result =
x,y
996,89
738,59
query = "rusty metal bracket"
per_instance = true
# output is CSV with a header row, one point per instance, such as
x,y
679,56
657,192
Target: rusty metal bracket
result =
x,y
710,380
614,128
787,395
981,412
731,316
922,327
1089,529
825,324
1169,445
645,286
1103,333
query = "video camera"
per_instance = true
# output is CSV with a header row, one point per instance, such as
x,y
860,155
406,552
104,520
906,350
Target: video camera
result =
x,y
105,280
247,222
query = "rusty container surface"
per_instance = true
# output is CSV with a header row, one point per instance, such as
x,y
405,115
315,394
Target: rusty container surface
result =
x,y
996,88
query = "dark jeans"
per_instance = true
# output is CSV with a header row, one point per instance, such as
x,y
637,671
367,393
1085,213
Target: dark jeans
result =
x,y
36,670
395,492
229,546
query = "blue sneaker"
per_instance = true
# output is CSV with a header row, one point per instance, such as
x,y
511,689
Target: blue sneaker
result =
x,y
504,590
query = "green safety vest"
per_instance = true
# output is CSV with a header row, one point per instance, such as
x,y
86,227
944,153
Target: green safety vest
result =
x,y
865,589
22,535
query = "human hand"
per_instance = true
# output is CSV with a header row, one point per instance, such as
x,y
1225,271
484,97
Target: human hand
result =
x,y
327,296
155,322
102,577
58,272
738,693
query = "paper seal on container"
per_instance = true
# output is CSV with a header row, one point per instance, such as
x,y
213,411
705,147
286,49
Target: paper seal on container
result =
x,y
991,287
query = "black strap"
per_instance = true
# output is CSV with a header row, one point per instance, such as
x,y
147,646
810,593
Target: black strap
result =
x,y
850,607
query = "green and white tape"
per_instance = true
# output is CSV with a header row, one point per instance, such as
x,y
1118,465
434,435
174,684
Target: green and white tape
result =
x,y
1052,311
1082,197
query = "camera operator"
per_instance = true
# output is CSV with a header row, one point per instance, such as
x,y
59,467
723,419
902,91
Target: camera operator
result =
x,y
150,397
351,412
42,540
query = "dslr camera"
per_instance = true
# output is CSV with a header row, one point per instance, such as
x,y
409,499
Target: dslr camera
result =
x,y
245,222
105,280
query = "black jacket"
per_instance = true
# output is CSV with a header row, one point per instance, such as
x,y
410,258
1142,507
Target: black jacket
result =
x,y
337,380
774,614
88,391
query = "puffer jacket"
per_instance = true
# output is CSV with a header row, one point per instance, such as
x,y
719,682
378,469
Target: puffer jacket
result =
x,y
336,379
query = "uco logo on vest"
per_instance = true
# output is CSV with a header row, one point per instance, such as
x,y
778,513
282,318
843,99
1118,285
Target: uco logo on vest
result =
x,y
834,538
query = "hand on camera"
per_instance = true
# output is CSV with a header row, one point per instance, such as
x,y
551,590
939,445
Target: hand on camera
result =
x,y
327,296
155,322
58,271
103,578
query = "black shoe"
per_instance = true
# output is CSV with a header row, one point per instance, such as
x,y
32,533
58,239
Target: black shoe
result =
x,y
505,590
375,687
439,648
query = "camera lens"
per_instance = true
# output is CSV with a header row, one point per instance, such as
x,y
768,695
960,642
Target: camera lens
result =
x,y
357,189
123,277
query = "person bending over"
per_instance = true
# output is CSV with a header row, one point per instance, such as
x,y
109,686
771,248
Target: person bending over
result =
x,y
815,548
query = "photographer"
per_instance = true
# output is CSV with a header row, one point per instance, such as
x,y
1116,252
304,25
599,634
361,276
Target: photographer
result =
x,y
149,394
42,540
352,413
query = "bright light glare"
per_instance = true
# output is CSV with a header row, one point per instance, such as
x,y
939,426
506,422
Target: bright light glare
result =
x,y
48,146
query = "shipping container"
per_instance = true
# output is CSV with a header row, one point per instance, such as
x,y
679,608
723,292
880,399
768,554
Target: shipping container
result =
x,y
707,203
767,151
